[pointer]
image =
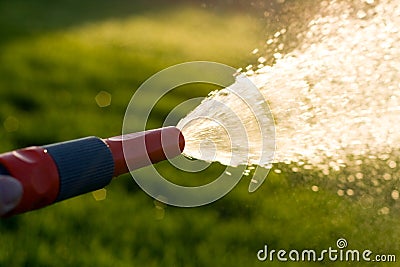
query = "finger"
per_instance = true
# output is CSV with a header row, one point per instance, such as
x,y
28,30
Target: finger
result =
x,y
10,193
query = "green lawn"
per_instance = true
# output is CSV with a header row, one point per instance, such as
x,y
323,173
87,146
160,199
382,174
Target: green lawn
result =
x,y
56,57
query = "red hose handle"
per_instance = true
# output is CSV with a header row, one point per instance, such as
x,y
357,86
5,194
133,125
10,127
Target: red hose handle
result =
x,y
59,171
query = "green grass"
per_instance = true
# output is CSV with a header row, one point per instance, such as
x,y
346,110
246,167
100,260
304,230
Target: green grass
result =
x,y
54,60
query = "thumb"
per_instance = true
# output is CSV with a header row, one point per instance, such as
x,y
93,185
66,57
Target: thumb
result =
x,y
10,193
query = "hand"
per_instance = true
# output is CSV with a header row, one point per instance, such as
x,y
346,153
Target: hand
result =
x,y
10,193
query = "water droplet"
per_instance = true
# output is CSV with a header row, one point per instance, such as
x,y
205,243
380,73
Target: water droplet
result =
x,y
395,194
100,194
277,55
103,99
361,14
308,167
11,124
387,176
159,212
366,201
269,41
314,188
340,192
350,192
392,164
262,60
384,211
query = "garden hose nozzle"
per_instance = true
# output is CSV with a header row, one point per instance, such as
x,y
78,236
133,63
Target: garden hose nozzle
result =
x,y
55,172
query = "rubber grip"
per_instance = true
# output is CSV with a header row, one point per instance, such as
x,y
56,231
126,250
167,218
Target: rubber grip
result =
x,y
84,165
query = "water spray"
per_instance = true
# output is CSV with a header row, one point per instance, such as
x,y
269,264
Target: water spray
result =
x,y
56,172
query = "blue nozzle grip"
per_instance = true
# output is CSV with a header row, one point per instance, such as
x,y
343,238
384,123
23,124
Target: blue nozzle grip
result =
x,y
84,165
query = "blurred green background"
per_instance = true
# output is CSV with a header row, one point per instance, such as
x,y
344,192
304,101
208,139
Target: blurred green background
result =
x,y
68,69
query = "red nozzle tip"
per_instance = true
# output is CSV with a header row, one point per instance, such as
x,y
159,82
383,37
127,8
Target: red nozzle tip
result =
x,y
181,141
137,150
